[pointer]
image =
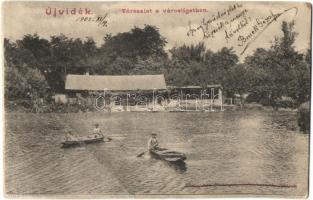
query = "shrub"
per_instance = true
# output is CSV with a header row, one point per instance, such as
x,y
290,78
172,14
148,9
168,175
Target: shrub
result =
x,y
304,117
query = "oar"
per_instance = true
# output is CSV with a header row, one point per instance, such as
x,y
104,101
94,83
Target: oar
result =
x,y
141,154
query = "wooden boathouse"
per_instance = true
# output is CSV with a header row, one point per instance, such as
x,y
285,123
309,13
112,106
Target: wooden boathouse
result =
x,y
87,87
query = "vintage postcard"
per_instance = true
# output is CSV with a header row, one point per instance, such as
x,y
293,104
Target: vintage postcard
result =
x,y
156,99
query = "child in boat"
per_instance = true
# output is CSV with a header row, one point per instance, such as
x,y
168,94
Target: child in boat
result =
x,y
97,131
153,142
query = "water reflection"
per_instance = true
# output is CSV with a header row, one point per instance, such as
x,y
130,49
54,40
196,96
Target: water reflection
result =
x,y
179,166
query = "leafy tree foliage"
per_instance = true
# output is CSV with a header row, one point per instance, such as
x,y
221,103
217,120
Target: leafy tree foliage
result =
x,y
33,63
279,71
137,42
189,53
194,65
22,79
238,81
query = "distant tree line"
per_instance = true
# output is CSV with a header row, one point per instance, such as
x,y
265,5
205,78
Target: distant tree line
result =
x,y
34,65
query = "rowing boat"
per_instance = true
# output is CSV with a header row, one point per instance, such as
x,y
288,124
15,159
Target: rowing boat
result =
x,y
84,140
168,155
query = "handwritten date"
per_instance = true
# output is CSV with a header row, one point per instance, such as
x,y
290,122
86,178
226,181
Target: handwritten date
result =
x,y
100,20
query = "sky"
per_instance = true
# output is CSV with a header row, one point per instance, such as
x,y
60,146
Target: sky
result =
x,y
20,18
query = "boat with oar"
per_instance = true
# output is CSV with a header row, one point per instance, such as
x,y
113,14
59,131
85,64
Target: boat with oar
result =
x,y
94,138
168,155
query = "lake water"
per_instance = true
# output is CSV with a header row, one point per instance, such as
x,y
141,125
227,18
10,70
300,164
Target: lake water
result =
x,y
223,149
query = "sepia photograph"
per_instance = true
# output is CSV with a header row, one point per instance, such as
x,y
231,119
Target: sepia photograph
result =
x,y
156,99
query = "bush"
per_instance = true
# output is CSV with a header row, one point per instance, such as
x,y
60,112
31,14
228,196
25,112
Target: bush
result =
x,y
20,84
304,117
70,108
286,103
18,105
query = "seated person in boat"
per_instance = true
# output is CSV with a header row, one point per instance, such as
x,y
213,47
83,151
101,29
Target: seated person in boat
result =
x,y
69,136
153,142
97,131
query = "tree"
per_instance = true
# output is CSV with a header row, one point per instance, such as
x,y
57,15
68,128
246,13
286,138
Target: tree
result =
x,y
138,51
58,57
220,64
189,53
151,65
178,72
237,81
186,66
299,86
279,71
138,42
21,77
194,65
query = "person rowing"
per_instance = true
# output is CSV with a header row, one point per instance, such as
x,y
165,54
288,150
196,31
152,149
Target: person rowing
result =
x,y
69,136
153,143
97,131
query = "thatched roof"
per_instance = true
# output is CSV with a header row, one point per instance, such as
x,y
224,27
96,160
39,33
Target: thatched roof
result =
x,y
115,83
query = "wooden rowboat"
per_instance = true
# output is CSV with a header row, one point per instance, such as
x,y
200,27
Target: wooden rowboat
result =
x,y
84,140
168,155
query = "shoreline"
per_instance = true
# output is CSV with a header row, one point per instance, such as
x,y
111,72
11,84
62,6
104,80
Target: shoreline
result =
x,y
137,109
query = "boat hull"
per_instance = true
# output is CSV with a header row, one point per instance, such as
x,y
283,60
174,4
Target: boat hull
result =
x,y
167,155
83,140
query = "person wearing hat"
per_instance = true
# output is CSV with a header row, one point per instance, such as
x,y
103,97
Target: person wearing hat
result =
x,y
153,142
